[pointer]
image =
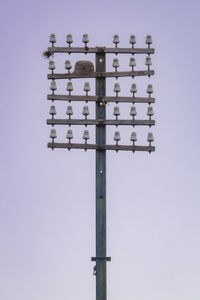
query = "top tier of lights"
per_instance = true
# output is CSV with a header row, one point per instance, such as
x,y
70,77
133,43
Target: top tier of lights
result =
x,y
87,49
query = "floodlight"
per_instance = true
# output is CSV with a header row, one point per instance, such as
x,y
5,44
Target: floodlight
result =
x,y
70,87
115,64
86,135
52,110
53,86
53,134
86,87
52,39
150,89
68,65
69,135
69,39
52,65
116,88
116,112
69,111
85,39
133,137
132,40
85,111
150,138
148,40
116,40
133,111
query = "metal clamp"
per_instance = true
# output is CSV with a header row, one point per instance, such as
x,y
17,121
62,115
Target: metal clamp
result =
x,y
100,49
100,258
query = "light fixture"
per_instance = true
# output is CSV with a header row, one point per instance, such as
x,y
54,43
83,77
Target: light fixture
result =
x,y
150,138
69,111
116,40
69,39
148,40
148,62
133,112
85,111
52,65
86,135
69,135
68,65
70,87
115,64
85,39
117,88
95,70
52,39
86,87
149,89
52,111
133,137
53,134
132,63
150,112
132,40
117,137
133,89
53,86
116,112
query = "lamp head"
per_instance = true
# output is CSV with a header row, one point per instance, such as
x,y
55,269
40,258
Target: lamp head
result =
x,y
117,136
116,39
68,65
52,65
116,87
150,137
53,86
133,137
85,38
148,40
132,62
52,38
132,39
133,88
69,39
70,86
115,63
53,134
52,110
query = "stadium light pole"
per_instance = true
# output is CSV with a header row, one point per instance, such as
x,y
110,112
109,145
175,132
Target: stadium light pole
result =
x,y
85,69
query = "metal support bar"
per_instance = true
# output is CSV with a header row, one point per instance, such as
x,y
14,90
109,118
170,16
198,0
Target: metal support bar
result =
x,y
100,122
100,49
132,148
101,74
104,100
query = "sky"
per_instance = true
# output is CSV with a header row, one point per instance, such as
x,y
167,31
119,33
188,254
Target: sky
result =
x,y
47,204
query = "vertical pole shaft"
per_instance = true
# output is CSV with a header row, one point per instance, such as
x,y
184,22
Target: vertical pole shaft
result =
x,y
100,184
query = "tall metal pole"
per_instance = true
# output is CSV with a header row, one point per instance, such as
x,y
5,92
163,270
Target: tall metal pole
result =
x,y
100,184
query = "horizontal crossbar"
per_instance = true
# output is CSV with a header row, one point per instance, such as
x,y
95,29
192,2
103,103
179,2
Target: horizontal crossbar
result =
x,y
102,99
101,147
100,74
100,122
101,50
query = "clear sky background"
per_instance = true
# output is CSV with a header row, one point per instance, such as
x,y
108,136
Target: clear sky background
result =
x,y
47,205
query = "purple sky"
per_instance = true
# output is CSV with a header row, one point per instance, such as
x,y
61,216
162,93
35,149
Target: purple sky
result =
x,y
47,203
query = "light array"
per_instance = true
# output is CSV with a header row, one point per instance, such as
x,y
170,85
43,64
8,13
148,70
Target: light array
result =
x,y
85,69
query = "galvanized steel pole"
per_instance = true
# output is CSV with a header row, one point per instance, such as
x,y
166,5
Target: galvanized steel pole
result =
x,y
100,183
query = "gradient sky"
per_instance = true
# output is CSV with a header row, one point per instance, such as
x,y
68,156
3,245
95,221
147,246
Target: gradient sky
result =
x,y
47,201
